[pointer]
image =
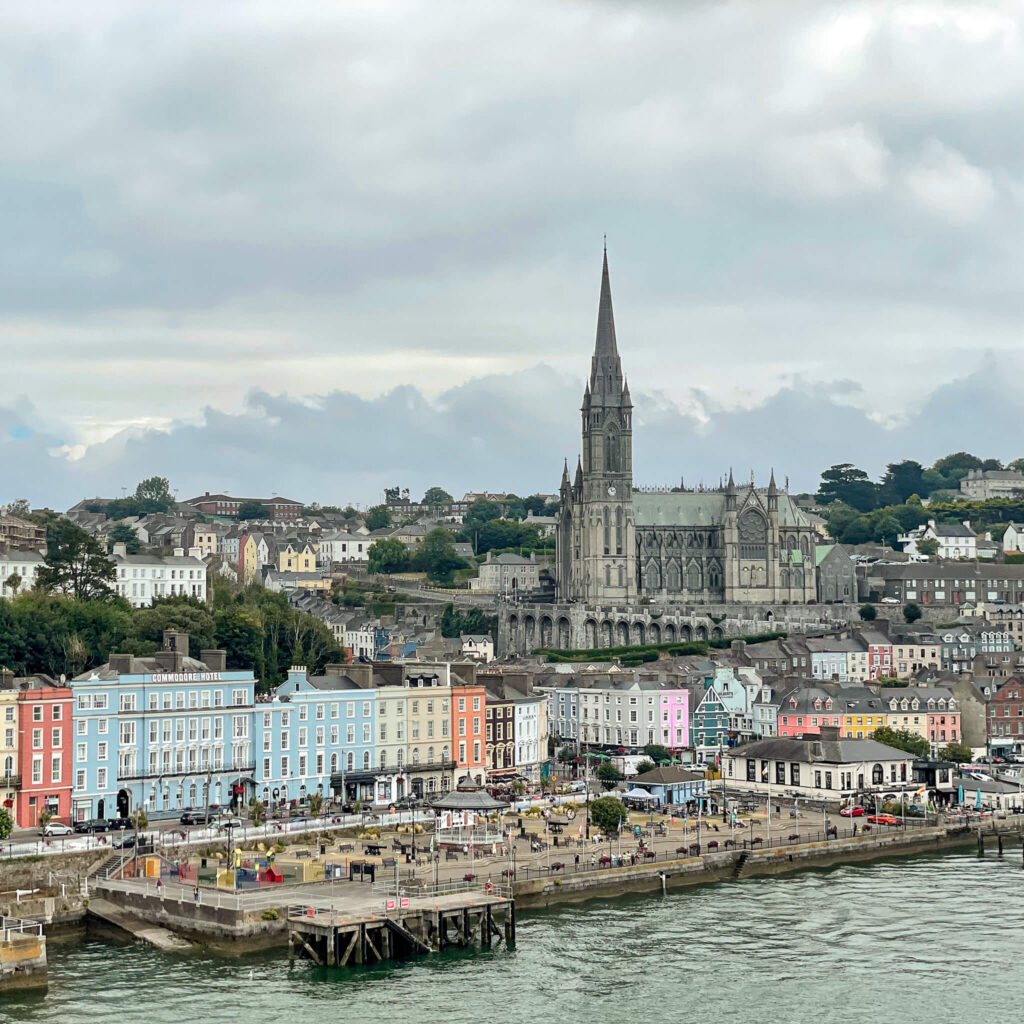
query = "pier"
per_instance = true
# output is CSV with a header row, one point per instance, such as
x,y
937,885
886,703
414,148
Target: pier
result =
x,y
22,954
404,927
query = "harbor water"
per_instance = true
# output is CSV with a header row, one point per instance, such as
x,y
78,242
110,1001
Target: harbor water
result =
x,y
923,940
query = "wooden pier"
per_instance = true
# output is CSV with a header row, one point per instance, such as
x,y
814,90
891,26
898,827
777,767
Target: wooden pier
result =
x,y
332,938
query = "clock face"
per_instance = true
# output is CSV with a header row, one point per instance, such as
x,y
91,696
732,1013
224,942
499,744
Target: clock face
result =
x,y
611,492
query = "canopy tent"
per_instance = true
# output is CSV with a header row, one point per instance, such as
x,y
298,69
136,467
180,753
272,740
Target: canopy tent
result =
x,y
638,794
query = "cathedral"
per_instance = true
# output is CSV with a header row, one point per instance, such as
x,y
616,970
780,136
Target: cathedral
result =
x,y
618,545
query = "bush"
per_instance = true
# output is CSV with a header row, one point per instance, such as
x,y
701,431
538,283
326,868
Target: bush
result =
x,y
270,915
868,612
607,812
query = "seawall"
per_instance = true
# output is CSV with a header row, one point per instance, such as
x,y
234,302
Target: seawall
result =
x,y
721,867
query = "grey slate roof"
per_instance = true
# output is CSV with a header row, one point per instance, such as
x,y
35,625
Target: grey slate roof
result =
x,y
842,751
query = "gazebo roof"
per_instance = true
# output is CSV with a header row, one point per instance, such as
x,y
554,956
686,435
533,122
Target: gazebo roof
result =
x,y
468,797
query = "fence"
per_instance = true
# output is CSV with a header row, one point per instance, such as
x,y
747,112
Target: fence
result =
x,y
15,926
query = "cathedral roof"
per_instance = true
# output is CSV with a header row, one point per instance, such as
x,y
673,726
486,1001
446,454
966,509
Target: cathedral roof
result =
x,y
699,508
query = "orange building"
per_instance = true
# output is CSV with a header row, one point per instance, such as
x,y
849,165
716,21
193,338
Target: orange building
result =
x,y
469,746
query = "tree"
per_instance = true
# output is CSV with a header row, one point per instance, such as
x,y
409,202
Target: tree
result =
x,y
902,739
154,494
657,753
140,819
959,753
928,546
901,480
126,535
645,766
471,622
844,482
239,633
253,510
954,467
480,512
607,813
565,754
912,612
257,812
316,804
436,556
13,583
19,507
6,823
868,612
608,775
378,517
75,563
45,817
388,555
437,496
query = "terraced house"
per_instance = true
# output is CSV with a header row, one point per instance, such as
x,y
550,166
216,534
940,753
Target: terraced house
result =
x,y
162,733
931,712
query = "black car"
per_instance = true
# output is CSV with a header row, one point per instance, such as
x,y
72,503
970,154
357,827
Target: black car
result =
x,y
115,823
407,803
193,818
91,825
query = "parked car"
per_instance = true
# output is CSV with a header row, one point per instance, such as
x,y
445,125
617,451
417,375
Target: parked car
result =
x,y
883,819
407,803
226,823
57,828
193,818
852,812
124,842
115,823
91,825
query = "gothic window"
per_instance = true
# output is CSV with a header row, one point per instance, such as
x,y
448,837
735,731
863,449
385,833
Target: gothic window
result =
x,y
715,578
607,575
798,578
805,545
652,577
672,578
622,577
753,531
607,530
791,543
694,580
785,577
618,531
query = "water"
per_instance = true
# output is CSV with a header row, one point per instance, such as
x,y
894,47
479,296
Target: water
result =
x,y
930,939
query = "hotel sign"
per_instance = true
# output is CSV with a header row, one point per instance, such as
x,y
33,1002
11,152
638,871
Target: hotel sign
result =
x,y
187,677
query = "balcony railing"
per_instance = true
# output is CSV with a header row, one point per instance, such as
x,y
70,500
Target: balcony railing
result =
x,y
10,782
427,766
241,769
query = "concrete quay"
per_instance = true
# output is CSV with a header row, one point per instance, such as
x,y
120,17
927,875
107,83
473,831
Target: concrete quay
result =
x,y
22,955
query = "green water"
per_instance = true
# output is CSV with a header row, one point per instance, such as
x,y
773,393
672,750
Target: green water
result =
x,y
928,940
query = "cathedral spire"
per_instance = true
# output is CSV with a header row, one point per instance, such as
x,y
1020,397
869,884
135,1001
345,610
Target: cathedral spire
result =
x,y
565,474
606,362
579,472
772,489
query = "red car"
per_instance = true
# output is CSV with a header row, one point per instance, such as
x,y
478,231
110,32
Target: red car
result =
x,y
883,819
851,812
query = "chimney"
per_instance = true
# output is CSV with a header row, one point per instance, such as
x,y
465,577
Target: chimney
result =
x,y
215,661
195,552
6,679
121,664
466,672
120,549
829,733
336,670
361,673
179,552
739,646
175,641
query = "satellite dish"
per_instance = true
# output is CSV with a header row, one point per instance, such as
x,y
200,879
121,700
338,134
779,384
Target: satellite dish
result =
x,y
63,678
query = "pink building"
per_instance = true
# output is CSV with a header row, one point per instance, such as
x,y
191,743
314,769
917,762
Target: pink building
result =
x,y
45,741
803,712
675,718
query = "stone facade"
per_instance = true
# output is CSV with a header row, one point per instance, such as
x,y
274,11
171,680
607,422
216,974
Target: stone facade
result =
x,y
619,544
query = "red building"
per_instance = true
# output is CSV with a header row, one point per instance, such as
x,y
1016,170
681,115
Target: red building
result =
x,y
45,749
283,509
1006,717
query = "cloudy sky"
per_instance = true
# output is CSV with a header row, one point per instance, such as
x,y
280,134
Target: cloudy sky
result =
x,y
319,248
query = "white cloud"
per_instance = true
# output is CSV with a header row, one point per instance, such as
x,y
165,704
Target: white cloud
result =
x,y
944,182
831,164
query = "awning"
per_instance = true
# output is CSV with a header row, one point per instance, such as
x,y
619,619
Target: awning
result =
x,y
638,794
244,780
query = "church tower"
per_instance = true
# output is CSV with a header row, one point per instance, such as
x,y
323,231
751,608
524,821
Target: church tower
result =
x,y
604,544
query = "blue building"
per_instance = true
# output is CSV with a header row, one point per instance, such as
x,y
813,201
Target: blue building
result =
x,y
316,736
163,734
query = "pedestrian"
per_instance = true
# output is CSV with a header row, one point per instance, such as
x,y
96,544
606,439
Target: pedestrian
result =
x,y
577,862
195,895
593,860
160,888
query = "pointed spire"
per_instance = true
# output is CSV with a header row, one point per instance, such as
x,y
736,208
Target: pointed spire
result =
x,y
626,400
732,483
565,473
772,489
579,472
605,318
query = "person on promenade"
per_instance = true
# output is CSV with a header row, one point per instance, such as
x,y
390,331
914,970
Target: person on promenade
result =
x,y
577,862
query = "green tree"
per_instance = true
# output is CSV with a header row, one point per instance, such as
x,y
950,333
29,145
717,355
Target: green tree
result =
x,y
657,753
471,622
239,633
868,612
901,480
436,556
912,612
437,496
902,739
6,823
608,775
13,583
126,535
154,494
957,752
140,819
928,546
316,804
388,555
75,563
956,466
257,812
378,517
565,754
480,512
607,813
253,510
844,482
645,766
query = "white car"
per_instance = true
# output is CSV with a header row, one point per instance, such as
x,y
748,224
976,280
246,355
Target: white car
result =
x,y
226,823
57,828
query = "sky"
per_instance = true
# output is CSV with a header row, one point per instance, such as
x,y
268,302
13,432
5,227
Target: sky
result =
x,y
316,249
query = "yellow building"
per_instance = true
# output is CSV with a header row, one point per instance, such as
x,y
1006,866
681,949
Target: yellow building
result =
x,y
292,558
9,781
250,559
862,727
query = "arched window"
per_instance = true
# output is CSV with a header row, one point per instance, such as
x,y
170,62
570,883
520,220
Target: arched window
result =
x,y
694,578
8,766
430,754
444,754
785,577
383,759
805,545
753,531
366,759
607,530
350,761
618,531
334,762
877,775
611,452
415,755
672,578
715,578
652,577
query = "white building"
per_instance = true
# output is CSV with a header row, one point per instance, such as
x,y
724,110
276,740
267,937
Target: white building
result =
x,y
983,484
23,564
479,648
1013,538
955,540
821,767
343,547
140,578
531,737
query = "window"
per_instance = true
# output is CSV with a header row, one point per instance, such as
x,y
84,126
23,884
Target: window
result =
x,y
55,768
58,712
128,701
37,713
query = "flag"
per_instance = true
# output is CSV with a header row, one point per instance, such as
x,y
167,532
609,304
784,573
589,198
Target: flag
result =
x,y
620,825
921,791
581,828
